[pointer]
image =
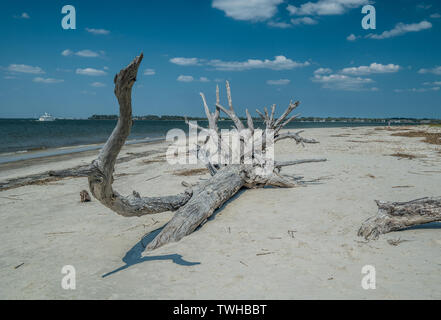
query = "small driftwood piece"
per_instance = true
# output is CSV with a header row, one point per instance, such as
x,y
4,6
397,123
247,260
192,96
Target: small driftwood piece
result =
x,y
198,202
85,197
394,216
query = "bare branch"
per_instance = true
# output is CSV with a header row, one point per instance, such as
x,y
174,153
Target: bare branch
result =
x,y
101,173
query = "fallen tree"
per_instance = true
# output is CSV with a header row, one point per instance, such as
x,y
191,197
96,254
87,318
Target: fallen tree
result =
x,y
197,203
394,216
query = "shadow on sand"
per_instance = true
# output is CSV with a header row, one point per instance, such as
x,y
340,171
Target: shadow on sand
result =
x,y
134,255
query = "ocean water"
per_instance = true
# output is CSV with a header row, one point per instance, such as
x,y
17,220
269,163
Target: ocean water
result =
x,y
23,135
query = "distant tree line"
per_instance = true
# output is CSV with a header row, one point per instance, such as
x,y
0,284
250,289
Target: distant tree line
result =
x,y
302,119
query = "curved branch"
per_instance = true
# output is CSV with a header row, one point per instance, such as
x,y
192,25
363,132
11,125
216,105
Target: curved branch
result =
x,y
280,164
295,136
101,171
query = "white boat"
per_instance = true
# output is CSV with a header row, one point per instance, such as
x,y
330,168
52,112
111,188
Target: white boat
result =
x,y
46,117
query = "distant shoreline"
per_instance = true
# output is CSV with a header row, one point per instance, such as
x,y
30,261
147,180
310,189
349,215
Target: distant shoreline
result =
x,y
392,120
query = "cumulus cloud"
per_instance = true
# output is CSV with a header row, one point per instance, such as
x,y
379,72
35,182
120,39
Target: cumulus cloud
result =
x,y
352,37
24,15
183,78
343,82
435,70
82,53
90,72
325,7
97,84
435,83
251,10
281,25
185,61
418,90
424,6
149,72
23,68
280,82
323,71
47,80
304,20
401,29
279,63
373,68
97,31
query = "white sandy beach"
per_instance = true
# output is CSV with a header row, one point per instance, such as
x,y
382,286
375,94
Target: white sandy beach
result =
x,y
298,243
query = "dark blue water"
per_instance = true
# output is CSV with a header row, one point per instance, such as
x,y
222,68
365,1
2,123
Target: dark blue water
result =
x,y
29,135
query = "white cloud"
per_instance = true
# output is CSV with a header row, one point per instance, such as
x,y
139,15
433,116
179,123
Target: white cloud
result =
x,y
183,78
23,68
185,61
352,37
401,29
342,82
67,52
97,31
24,15
98,84
304,20
280,82
325,7
279,63
436,70
435,15
149,72
323,71
418,90
86,53
47,80
90,72
281,25
373,68
436,83
424,6
251,10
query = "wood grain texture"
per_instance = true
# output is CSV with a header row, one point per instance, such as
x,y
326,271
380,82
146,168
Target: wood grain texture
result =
x,y
394,216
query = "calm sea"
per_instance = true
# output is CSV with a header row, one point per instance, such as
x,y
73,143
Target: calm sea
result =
x,y
23,135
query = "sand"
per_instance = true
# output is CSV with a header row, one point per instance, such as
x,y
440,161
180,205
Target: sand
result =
x,y
296,243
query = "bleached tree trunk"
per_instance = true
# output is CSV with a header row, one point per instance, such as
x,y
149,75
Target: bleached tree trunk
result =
x,y
195,205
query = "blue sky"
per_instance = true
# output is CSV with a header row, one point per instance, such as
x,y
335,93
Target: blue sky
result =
x,y
271,51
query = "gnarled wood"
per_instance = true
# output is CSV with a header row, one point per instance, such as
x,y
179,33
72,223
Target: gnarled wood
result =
x,y
197,203
394,216
101,171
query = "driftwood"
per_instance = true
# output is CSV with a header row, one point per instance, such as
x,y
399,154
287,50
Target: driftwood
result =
x,y
55,175
197,203
394,216
84,196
